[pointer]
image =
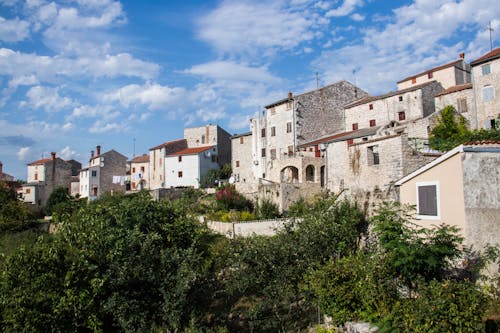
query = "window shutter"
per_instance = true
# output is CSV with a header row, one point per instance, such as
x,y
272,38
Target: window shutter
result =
x,y
427,200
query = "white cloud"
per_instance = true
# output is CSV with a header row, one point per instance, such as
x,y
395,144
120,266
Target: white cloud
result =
x,y
345,9
205,115
154,96
67,153
46,98
92,111
240,122
357,17
13,30
232,71
24,153
104,127
255,28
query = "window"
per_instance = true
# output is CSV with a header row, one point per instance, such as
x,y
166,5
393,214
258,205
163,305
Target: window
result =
x,y
133,170
462,105
263,152
290,150
427,200
94,191
488,93
142,169
214,158
310,173
400,98
179,174
242,141
372,122
273,154
430,75
179,158
237,164
414,80
28,191
401,116
263,132
273,131
263,175
372,155
486,69
355,126
94,173
289,105
289,127
203,139
370,106
36,176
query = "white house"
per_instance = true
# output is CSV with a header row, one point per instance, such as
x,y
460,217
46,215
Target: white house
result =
x,y
185,168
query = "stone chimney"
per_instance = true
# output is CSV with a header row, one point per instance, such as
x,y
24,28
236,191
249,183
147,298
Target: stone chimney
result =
x,y
98,150
53,154
91,154
1,169
462,55
290,95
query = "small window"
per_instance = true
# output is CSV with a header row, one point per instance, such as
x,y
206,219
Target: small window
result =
x,y
462,105
372,123
214,158
290,150
263,175
430,75
370,106
350,141
179,174
488,93
242,141
400,98
263,152
289,105
237,164
273,131
401,116
203,139
273,154
28,191
142,169
414,80
179,158
427,200
355,126
133,170
289,127
372,155
36,176
486,69
94,191
94,173
263,132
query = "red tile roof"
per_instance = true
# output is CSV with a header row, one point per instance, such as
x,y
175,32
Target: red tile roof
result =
x,y
435,69
166,144
456,88
191,151
40,162
481,143
140,159
488,56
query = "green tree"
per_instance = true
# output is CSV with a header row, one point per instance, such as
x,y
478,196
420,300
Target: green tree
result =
x,y
14,214
450,131
57,200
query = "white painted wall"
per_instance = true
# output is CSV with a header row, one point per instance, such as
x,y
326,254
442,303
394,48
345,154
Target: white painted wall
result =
x,y
193,167
36,169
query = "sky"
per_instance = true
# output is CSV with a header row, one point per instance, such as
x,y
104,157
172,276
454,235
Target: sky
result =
x,y
130,75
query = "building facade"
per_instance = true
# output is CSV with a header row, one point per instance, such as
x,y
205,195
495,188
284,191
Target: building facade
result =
x,y
210,135
139,173
157,161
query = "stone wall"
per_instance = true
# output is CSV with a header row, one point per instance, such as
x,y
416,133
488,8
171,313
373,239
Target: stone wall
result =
x,y
491,109
453,98
112,164
242,164
249,228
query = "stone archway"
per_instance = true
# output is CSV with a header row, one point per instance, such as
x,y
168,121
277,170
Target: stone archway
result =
x,y
310,173
289,174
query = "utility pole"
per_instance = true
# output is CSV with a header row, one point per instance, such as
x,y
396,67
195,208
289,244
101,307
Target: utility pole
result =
x,y
317,80
491,39
134,147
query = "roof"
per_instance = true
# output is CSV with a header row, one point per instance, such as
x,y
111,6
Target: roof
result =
x,y
40,162
344,136
168,143
494,54
281,101
474,146
435,69
240,135
325,139
368,99
191,151
456,88
140,159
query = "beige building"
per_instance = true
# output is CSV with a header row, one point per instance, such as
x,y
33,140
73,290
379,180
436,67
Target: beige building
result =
x,y
210,135
451,74
157,161
486,82
242,166
139,173
460,188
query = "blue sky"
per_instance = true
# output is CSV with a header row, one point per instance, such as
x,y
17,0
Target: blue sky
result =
x,y
76,74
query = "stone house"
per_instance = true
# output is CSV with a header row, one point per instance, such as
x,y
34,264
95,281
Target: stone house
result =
x,y
460,188
185,168
451,74
139,173
105,174
157,161
44,176
242,166
4,176
486,83
461,97
210,135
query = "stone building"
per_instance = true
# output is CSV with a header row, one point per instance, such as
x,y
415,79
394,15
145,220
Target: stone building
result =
x,y
242,163
210,135
451,74
4,176
461,97
105,174
459,188
157,161
44,176
486,83
139,173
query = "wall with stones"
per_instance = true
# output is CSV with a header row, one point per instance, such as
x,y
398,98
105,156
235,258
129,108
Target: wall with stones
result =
x,y
242,164
112,164
223,146
321,111
157,161
486,110
453,98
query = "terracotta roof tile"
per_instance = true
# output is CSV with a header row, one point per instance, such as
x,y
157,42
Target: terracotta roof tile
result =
x,y
168,143
482,143
140,159
456,88
488,56
40,162
191,151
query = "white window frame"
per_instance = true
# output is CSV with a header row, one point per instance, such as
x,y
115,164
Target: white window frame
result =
x,y
486,69
483,89
438,197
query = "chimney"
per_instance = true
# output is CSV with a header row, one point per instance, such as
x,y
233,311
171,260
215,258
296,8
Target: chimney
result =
x,y
91,154
462,55
98,150
290,95
1,169
53,154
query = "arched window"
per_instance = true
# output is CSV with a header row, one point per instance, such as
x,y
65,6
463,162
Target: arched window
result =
x,y
289,174
310,173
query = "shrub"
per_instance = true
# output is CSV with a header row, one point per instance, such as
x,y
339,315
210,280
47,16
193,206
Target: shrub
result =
x,y
266,209
228,198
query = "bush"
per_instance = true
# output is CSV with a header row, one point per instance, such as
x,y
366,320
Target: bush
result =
x,y
266,209
228,198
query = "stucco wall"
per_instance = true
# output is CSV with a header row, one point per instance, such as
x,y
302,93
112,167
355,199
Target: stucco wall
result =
x,y
138,176
189,166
